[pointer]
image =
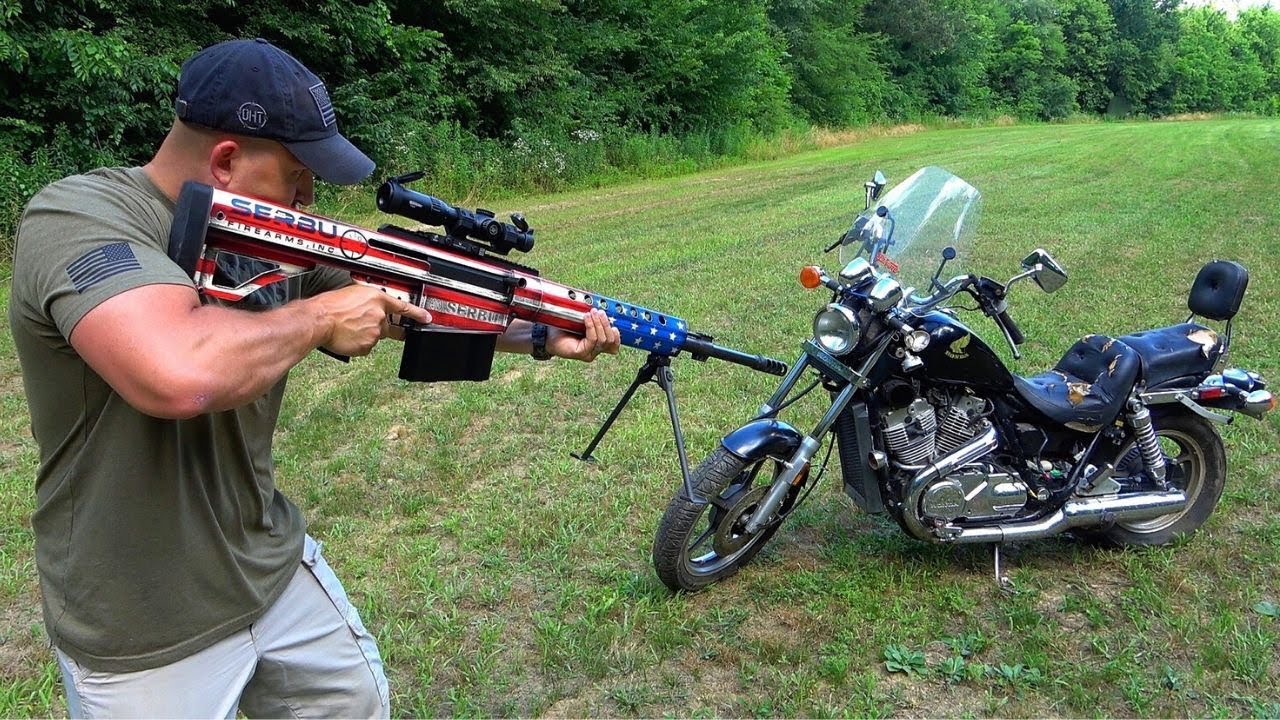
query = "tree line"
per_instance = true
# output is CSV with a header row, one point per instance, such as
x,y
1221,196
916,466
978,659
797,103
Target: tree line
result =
x,y
495,94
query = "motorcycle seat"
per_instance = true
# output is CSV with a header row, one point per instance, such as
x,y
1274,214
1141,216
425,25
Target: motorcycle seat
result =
x,y
1178,355
1088,387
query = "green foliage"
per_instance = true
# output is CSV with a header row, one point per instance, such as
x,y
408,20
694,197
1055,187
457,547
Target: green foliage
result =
x,y
1216,66
1088,34
1141,68
953,669
967,644
524,589
898,659
507,96
835,77
937,51
1026,71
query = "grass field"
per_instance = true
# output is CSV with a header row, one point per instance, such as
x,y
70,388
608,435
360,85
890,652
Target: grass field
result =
x,y
504,578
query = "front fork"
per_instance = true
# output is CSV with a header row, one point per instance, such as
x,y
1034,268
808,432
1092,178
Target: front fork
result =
x,y
793,468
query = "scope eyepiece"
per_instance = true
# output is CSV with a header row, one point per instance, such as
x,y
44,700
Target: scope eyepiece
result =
x,y
460,225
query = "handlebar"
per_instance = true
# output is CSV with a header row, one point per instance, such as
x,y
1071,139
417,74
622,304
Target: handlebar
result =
x,y
944,293
892,320
989,294
1011,327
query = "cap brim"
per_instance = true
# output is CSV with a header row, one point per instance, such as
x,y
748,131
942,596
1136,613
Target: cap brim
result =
x,y
333,159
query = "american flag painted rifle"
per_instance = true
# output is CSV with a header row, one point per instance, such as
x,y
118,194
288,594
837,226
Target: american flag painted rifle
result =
x,y
461,277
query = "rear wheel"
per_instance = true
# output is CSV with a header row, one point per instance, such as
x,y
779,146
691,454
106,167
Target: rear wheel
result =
x,y
700,543
1196,463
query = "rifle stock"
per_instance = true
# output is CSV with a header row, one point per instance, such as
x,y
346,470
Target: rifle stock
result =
x,y
472,294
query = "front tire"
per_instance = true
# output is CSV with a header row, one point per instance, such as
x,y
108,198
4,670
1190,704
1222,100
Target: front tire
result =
x,y
698,544
1196,463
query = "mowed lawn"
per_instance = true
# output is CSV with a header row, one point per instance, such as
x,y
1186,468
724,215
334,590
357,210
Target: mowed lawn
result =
x,y
502,577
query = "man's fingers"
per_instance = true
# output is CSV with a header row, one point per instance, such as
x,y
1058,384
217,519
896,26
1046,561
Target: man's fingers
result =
x,y
607,338
413,312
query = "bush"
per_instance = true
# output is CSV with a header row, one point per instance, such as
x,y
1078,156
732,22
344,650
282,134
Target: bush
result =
x,y
21,176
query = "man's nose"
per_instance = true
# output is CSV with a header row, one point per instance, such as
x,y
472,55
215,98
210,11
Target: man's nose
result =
x,y
306,192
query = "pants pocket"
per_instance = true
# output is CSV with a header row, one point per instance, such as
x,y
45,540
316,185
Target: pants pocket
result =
x,y
314,560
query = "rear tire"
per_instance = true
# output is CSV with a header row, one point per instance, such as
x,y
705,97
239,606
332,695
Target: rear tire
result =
x,y
1196,463
699,544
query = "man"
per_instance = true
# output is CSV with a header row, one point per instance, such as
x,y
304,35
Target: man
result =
x,y
176,580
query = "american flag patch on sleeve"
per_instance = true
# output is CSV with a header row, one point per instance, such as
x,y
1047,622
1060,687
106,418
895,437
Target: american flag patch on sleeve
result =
x,y
99,264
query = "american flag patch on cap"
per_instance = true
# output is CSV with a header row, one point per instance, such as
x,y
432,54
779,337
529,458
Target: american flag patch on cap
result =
x,y
325,105
105,262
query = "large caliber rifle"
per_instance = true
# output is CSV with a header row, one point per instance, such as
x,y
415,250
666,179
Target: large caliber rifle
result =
x,y
461,276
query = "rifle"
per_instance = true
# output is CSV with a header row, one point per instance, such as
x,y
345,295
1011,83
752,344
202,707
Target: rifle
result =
x,y
462,277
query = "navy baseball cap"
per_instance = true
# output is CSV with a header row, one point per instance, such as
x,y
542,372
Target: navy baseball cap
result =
x,y
251,87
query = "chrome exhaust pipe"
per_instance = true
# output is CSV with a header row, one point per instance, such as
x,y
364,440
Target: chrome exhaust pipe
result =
x,y
1258,403
963,455
1078,512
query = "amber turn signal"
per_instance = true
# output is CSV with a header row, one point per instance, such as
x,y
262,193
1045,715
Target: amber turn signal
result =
x,y
811,276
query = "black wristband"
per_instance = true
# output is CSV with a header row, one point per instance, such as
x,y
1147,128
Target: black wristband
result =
x,y
539,337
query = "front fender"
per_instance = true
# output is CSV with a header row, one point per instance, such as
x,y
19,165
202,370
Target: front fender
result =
x,y
759,438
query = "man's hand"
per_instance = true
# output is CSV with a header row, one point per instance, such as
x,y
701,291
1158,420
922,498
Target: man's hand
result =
x,y
601,337
356,317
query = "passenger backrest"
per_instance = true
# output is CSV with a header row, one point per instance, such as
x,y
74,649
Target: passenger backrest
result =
x,y
1218,290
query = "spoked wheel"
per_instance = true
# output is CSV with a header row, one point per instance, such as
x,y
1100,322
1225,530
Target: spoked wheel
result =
x,y
1196,463
698,544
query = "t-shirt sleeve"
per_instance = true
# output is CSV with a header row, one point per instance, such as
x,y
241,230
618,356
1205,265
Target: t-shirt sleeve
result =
x,y
79,246
323,279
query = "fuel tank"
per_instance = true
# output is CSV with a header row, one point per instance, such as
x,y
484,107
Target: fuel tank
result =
x,y
957,355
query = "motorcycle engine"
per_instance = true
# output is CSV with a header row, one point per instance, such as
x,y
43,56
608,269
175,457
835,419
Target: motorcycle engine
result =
x,y
924,432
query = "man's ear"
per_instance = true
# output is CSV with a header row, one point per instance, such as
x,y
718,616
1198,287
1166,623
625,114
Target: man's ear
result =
x,y
223,158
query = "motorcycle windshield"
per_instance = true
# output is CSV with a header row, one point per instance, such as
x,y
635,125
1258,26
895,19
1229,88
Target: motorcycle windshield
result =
x,y
907,230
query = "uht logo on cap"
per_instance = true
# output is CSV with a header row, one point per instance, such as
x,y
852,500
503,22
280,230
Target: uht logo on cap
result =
x,y
252,116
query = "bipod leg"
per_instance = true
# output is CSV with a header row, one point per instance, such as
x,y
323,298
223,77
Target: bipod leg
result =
x,y
667,381
643,375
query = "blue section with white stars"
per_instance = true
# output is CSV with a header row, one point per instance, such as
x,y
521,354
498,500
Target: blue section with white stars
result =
x,y
642,328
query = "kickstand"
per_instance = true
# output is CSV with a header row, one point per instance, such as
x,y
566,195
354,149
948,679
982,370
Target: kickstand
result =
x,y
1002,580
656,368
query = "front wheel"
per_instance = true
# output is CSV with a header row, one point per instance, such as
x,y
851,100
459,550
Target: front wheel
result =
x,y
700,543
1196,463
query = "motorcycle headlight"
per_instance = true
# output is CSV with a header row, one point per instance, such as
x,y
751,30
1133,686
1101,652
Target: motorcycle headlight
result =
x,y
836,329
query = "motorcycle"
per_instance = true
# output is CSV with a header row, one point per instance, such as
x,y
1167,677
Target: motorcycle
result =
x,y
1117,443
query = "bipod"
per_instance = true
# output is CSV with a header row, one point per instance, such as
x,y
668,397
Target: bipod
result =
x,y
656,368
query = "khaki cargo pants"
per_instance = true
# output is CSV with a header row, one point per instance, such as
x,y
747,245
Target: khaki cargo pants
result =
x,y
308,656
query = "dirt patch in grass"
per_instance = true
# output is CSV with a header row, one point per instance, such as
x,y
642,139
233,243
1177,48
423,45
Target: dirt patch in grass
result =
x,y
779,627
21,649
573,706
921,698
475,431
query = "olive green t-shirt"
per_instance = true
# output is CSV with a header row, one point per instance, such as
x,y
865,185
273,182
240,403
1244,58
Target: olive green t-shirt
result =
x,y
155,538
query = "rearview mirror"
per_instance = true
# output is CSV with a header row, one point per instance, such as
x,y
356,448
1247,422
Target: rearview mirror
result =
x,y
1046,271
874,187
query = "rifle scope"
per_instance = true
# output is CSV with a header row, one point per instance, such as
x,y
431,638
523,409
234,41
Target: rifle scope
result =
x,y
480,226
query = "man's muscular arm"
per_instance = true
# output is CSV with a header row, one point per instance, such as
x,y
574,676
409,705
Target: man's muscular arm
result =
x,y
169,356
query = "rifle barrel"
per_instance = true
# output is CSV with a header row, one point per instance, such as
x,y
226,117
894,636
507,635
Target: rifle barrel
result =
x,y
702,346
